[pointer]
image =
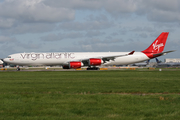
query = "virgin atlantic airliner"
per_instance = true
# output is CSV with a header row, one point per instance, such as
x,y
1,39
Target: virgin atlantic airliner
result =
x,y
90,59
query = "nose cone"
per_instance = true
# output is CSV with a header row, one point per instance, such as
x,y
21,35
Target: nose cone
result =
x,y
5,59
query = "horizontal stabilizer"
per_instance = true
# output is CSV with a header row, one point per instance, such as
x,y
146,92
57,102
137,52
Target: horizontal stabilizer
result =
x,y
163,53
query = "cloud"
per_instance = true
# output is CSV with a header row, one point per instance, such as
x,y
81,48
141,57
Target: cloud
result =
x,y
89,25
143,35
29,28
117,7
6,50
112,6
160,10
6,23
34,11
96,44
53,11
61,36
140,29
71,35
94,33
155,10
5,39
29,45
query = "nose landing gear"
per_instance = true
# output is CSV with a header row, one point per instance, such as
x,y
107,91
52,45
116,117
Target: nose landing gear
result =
x,y
17,68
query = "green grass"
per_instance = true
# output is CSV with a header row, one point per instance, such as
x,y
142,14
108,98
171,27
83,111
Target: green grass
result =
x,y
119,94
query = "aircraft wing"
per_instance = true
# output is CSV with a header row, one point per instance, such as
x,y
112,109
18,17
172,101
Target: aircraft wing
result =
x,y
104,58
107,58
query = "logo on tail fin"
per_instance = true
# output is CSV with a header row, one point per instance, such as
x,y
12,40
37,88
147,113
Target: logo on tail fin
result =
x,y
157,46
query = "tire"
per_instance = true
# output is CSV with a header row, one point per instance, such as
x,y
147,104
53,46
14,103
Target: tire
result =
x,y
18,69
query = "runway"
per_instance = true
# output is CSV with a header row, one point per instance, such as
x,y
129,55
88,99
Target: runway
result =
x,y
85,69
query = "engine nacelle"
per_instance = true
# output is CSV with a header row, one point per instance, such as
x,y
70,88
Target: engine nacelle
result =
x,y
74,65
95,61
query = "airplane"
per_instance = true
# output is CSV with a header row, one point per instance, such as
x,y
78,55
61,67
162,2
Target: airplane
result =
x,y
92,60
167,64
1,62
140,64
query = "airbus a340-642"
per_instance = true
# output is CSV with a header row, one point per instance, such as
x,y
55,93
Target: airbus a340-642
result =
x,y
90,59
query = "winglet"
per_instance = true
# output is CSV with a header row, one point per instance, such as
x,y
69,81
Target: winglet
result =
x,y
131,53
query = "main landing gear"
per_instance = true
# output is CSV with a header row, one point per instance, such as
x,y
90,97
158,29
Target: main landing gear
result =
x,y
92,68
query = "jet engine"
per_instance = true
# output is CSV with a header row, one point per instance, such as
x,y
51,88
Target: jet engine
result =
x,y
74,65
95,61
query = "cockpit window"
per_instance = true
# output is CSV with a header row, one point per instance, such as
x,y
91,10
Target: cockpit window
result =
x,y
9,56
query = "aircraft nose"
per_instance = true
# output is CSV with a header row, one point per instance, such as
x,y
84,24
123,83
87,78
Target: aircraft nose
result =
x,y
5,59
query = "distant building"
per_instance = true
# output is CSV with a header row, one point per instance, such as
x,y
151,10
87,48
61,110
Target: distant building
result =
x,y
167,60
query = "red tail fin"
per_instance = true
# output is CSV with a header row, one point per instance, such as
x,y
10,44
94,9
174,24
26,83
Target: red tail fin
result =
x,y
157,46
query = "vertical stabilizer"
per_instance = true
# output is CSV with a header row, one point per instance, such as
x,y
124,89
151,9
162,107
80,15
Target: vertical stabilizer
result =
x,y
157,46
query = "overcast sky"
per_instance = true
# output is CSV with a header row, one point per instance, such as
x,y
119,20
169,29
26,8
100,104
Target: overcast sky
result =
x,y
87,25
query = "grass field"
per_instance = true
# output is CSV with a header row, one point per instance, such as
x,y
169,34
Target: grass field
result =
x,y
87,95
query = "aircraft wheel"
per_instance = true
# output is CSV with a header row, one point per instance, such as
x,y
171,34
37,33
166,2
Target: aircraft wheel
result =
x,y
88,68
18,69
93,68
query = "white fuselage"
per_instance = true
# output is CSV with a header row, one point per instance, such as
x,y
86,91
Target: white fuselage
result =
x,y
59,58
